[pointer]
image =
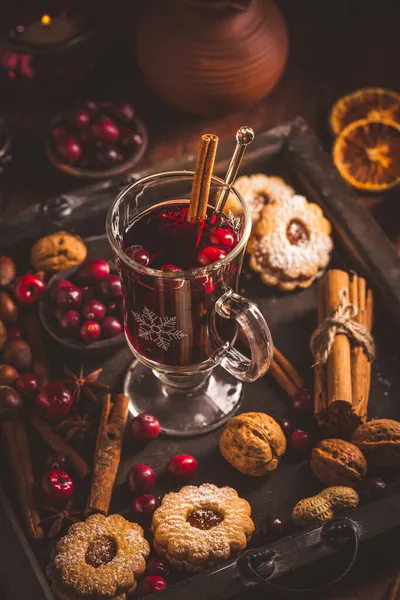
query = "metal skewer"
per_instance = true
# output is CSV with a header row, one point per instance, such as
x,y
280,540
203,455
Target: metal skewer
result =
x,y
244,137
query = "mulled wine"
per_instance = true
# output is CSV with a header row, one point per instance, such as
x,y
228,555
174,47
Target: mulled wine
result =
x,y
171,319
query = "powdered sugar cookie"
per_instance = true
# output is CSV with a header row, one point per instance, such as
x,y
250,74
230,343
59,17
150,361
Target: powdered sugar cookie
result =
x,y
259,190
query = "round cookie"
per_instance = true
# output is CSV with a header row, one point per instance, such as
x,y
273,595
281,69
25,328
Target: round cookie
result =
x,y
291,244
57,251
258,190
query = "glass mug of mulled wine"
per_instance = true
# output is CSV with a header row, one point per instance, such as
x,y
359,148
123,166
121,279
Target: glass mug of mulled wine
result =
x,y
181,309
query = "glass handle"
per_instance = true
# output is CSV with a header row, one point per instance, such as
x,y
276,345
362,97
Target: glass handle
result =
x,y
249,317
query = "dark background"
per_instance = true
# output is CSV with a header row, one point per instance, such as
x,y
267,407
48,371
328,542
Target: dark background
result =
x,y
336,47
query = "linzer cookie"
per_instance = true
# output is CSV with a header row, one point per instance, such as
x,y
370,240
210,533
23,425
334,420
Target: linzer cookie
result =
x,y
291,244
259,190
100,558
198,527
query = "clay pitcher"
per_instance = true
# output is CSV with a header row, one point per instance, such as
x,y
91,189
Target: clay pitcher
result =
x,y
212,56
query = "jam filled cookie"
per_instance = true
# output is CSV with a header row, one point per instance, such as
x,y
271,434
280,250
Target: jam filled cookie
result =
x,y
259,190
198,527
291,244
99,558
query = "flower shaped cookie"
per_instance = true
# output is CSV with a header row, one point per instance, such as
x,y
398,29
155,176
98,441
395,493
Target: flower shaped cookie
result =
x,y
201,526
259,190
101,557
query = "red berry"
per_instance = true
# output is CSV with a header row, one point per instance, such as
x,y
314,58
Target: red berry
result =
x,y
303,402
92,271
54,401
93,310
87,293
69,148
151,584
169,267
300,441
55,460
105,129
90,331
58,133
60,283
28,289
372,488
70,321
113,308
80,118
286,426
223,237
124,111
144,506
56,486
14,334
145,427
111,156
182,466
130,138
272,528
68,297
26,384
138,254
111,327
110,286
157,566
141,478
209,255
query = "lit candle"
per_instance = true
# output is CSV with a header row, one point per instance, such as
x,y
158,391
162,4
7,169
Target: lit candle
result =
x,y
49,30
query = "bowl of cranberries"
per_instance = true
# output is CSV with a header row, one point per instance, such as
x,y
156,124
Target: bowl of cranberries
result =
x,y
96,139
81,308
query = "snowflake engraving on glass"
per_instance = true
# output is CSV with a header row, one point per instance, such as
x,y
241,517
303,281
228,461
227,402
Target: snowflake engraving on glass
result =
x,y
160,330
235,222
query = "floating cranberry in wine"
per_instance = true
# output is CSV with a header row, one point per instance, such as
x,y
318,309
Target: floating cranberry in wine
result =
x,y
28,289
138,254
145,428
223,237
140,479
209,255
92,271
54,401
172,268
152,584
56,487
182,466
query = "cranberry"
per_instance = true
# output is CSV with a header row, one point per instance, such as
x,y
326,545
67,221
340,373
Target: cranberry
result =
x,y
372,488
113,308
105,129
124,111
14,334
60,283
209,255
144,506
138,254
54,401
169,267
68,297
26,384
70,321
110,286
69,148
300,441
28,289
58,133
111,156
93,310
55,460
80,118
272,528
111,327
130,138
223,237
182,466
286,426
145,427
303,402
151,584
90,331
157,566
141,478
56,486
87,293
92,271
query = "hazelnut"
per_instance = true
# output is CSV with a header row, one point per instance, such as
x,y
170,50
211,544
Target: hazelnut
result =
x,y
10,401
8,308
7,374
7,270
3,335
18,354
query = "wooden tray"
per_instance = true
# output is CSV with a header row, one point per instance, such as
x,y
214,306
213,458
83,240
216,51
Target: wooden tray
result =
x,y
293,152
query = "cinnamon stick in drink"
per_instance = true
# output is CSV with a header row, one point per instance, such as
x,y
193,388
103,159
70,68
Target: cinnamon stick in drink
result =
x,y
202,178
108,453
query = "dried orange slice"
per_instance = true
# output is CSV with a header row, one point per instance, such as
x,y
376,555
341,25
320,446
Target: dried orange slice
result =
x,y
367,154
368,103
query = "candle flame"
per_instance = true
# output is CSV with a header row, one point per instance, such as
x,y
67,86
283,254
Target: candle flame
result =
x,y
45,20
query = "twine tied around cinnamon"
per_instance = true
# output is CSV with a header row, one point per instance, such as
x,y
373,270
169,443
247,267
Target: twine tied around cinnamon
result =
x,y
341,321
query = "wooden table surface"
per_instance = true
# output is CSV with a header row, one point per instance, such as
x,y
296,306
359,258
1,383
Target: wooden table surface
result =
x,y
336,47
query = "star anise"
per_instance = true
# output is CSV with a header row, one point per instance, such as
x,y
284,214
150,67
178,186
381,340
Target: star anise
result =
x,y
59,516
86,384
76,427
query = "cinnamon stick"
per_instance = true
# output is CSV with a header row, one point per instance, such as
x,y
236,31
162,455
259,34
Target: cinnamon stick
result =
x,y
16,442
108,453
288,368
320,388
282,379
56,442
35,338
202,178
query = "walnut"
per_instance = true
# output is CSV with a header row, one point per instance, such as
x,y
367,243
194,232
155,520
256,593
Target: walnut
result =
x,y
336,462
57,252
379,441
253,443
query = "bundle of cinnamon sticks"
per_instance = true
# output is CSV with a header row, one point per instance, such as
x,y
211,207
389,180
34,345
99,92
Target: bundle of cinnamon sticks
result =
x,y
342,384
